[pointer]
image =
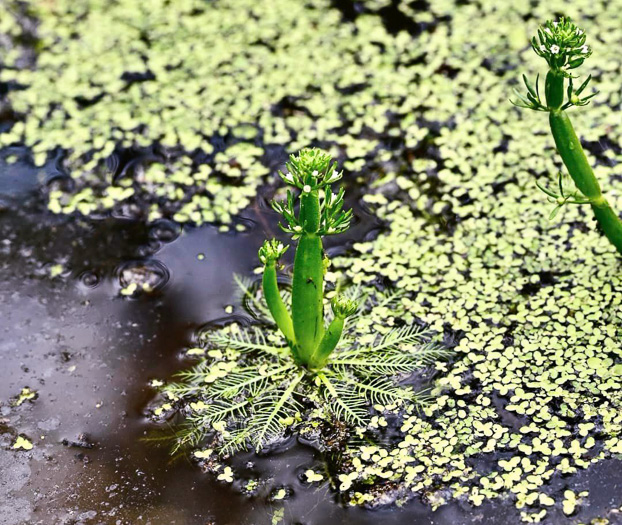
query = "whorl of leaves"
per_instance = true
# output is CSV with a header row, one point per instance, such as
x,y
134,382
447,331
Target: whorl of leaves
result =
x,y
252,394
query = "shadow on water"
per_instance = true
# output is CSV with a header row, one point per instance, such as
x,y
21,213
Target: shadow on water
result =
x,y
67,333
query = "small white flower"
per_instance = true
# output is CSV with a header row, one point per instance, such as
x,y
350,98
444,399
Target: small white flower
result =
x,y
542,47
288,177
333,177
306,188
555,24
585,49
554,49
579,31
315,173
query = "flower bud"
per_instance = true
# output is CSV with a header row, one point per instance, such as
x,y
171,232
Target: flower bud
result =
x,y
271,251
343,307
562,45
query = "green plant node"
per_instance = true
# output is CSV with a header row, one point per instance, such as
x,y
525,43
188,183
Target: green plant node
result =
x,y
271,251
343,306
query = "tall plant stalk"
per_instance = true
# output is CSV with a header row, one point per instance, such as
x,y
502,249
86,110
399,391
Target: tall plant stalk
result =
x,y
562,45
308,282
320,213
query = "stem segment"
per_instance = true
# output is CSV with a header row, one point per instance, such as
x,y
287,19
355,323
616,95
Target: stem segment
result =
x,y
571,152
276,305
308,283
554,89
576,163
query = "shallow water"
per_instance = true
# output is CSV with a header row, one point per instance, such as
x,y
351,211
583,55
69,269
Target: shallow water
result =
x,y
89,353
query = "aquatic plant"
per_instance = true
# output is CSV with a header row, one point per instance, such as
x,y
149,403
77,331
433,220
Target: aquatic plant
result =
x,y
321,213
562,45
256,384
535,331
535,343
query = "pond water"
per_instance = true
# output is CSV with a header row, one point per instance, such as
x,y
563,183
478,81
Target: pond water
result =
x,y
89,353
135,185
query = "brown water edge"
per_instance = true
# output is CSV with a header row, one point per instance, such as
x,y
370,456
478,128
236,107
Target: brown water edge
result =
x,y
90,354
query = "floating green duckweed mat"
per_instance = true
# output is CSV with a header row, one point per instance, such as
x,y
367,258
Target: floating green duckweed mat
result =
x,y
415,97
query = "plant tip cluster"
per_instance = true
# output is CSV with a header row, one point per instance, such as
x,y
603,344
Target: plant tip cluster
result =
x,y
562,44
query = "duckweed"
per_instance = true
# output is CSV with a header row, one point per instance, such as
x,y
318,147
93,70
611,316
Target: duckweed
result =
x,y
420,109
26,394
536,317
22,443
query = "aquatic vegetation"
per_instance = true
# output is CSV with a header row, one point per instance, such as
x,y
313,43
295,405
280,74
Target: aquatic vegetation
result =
x,y
562,45
418,106
22,443
535,392
201,128
254,387
312,172
138,277
26,394
248,389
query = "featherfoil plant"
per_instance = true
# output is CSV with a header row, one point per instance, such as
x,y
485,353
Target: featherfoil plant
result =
x,y
256,384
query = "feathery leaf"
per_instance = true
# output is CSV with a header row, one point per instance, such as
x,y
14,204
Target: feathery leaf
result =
x,y
344,403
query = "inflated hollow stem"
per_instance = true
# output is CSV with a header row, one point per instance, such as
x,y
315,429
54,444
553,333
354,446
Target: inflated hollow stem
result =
x,y
308,282
328,343
576,162
277,306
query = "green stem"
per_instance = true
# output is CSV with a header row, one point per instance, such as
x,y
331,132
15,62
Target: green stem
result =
x,y
610,223
310,211
308,283
328,343
276,305
554,89
308,295
576,163
572,154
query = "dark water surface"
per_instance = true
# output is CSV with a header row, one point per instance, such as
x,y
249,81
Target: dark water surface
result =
x,y
90,354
